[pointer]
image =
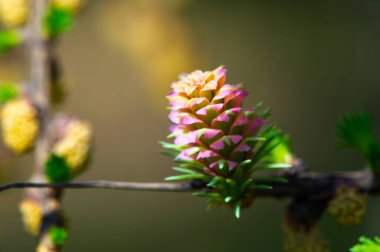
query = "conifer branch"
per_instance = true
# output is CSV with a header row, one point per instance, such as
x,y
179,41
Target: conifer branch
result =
x,y
313,185
40,49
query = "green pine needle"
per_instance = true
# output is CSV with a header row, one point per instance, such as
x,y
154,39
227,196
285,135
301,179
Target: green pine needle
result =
x,y
214,181
189,162
274,149
264,114
264,187
258,106
280,151
9,39
367,245
170,146
356,131
215,196
8,92
247,184
169,154
187,177
186,170
58,21
271,166
237,209
58,235
254,139
57,170
228,199
194,167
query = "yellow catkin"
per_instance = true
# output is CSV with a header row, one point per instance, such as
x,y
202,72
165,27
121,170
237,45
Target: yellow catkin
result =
x,y
31,215
20,125
75,145
43,248
302,241
69,5
13,12
348,206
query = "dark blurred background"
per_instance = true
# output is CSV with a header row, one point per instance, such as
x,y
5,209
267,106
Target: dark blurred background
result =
x,y
310,61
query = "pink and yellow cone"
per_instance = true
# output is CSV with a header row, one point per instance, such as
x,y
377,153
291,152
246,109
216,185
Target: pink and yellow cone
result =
x,y
215,139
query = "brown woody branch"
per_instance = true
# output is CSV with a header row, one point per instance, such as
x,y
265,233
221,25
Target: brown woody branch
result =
x,y
313,185
41,52
104,184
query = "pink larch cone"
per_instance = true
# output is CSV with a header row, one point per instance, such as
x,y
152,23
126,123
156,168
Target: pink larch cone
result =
x,y
214,137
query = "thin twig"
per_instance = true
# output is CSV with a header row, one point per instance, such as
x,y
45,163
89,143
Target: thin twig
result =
x,y
310,184
103,184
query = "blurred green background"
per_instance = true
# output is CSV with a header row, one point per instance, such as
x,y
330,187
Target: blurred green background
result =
x,y
310,61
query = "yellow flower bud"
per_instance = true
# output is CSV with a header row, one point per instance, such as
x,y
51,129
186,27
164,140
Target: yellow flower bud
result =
x,y
13,12
31,216
304,241
69,5
43,248
75,145
348,206
20,125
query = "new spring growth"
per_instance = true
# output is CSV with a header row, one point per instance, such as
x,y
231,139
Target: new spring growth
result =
x,y
9,39
60,15
70,150
8,91
356,131
58,235
367,245
215,139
